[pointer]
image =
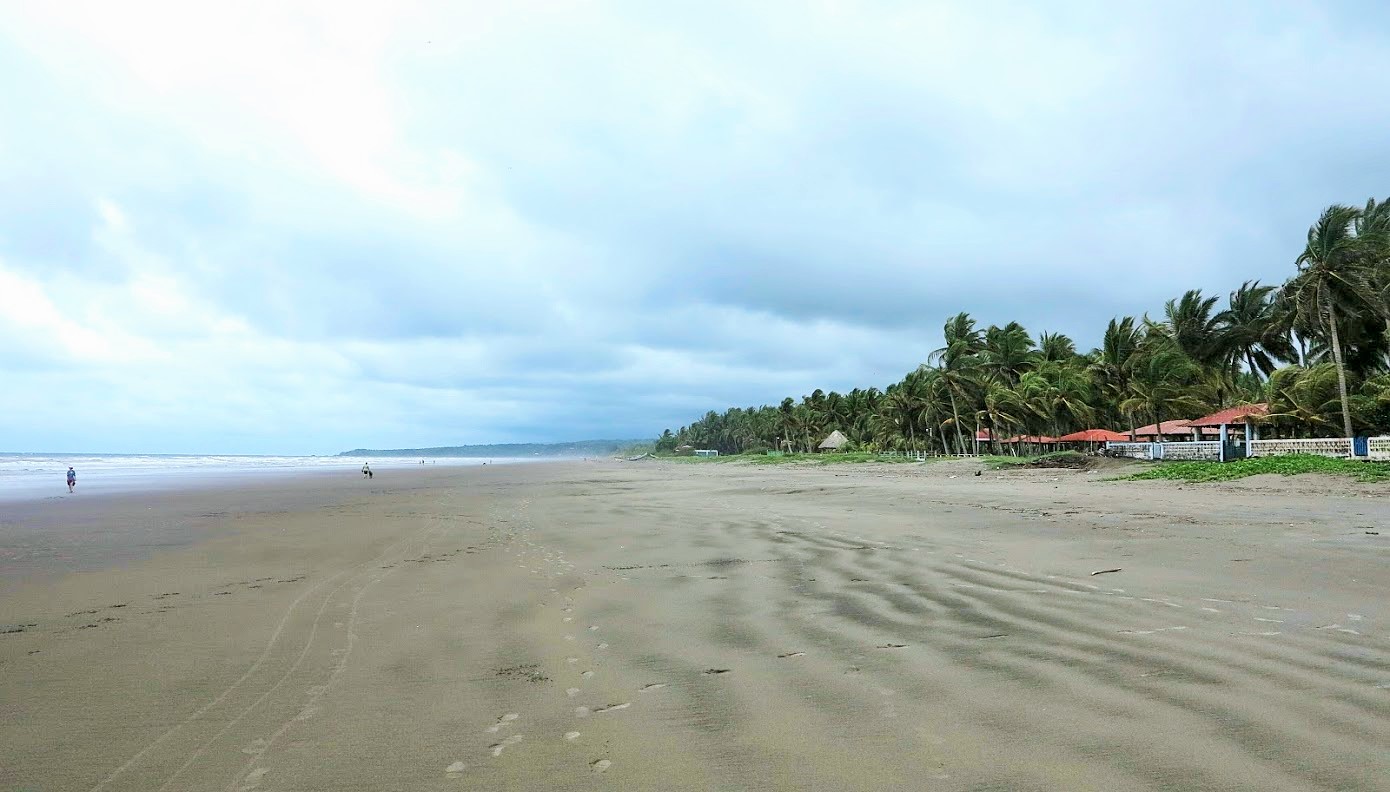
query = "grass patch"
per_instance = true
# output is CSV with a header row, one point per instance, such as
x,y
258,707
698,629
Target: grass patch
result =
x,y
1290,465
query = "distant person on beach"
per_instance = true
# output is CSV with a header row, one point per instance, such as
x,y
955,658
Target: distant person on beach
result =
x,y
366,470
72,479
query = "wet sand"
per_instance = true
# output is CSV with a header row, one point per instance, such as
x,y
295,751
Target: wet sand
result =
x,y
710,626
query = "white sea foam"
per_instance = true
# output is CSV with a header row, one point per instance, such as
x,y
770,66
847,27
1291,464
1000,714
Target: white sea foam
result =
x,y
25,476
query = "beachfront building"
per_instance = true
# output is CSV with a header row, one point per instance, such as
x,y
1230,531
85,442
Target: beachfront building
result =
x,y
1020,444
1169,431
982,439
834,442
1090,438
1241,417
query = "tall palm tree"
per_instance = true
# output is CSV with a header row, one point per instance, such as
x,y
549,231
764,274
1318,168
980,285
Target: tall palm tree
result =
x,y
1335,284
1252,330
1007,352
1195,327
1111,363
956,363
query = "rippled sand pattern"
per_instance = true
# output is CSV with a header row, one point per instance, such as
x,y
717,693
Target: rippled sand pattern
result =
x,y
605,626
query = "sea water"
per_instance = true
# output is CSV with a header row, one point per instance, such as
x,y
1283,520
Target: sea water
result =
x,y
26,476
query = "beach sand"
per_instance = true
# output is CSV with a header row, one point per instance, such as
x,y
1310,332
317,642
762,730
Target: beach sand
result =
x,y
659,626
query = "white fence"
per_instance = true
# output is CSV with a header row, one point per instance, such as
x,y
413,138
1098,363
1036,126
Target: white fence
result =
x,y
1131,450
1204,450
1322,446
1183,452
920,456
1377,448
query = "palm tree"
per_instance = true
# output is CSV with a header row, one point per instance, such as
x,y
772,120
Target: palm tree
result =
x,y
1059,393
1335,284
1372,227
1194,327
1252,330
955,363
902,407
1306,398
1007,352
1110,364
1162,382
1056,347
1004,411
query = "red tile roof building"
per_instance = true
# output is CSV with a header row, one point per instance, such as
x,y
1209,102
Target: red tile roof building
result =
x,y
1232,415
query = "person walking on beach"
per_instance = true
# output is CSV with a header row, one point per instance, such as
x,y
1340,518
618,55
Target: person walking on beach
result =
x,y
366,470
72,479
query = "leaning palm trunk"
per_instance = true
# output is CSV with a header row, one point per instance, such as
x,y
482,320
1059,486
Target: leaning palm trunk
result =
x,y
960,438
1341,368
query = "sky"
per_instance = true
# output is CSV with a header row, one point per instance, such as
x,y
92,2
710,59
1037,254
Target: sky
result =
x,y
300,228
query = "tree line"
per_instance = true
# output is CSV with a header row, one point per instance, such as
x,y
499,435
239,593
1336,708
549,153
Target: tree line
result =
x,y
1315,348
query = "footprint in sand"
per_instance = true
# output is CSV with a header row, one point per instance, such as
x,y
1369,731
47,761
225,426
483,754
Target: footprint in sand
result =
x,y
892,646
569,618
498,748
502,721
454,769
571,660
587,674
603,646
652,686
612,707
790,654
572,692
713,671
601,765
581,712
593,627
571,735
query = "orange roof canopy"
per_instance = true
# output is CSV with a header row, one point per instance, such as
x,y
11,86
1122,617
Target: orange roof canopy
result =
x,y
1232,415
1174,427
1093,436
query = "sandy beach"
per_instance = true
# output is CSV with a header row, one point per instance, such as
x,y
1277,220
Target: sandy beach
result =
x,y
657,625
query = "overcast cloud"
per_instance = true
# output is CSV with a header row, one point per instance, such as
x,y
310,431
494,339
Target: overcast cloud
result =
x,y
301,228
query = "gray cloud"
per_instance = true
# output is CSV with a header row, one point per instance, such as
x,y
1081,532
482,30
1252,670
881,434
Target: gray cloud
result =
x,y
492,223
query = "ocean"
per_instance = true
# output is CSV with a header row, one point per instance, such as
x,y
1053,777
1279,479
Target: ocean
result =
x,y
28,476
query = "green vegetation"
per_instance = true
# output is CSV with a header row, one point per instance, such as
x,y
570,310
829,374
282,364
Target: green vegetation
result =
x,y
796,458
1327,325
577,448
1291,465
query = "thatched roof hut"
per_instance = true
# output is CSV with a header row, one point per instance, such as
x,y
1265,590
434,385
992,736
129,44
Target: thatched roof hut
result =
x,y
834,442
